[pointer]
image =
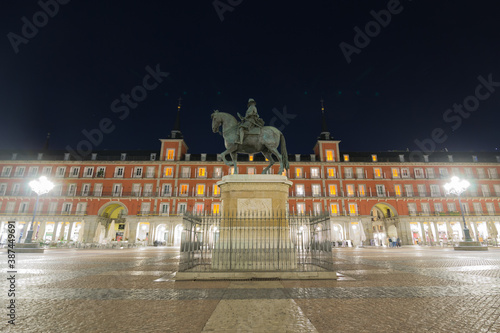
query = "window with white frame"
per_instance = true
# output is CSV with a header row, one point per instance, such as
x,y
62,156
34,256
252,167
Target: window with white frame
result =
x,y
362,190
23,207
350,190
426,208
421,190
299,173
451,207
145,208
119,171
316,190
217,172
419,173
334,208
200,190
360,173
166,190
438,207
168,172
331,172
398,190
401,158
85,190
405,172
198,208
435,192
136,190
492,173
315,173
101,172
299,190
117,190
6,171
164,209
478,209
332,190
88,172
10,207
52,207
485,189
170,154
81,208
66,207
480,173
33,171
317,208
150,172
186,172
138,172
443,173
465,207
468,173
374,158
216,208
71,190
380,190
348,173
148,190
353,209
3,189
301,207
377,173
496,188
74,172
430,173
251,171
97,190
19,171
412,208
455,172
490,207
57,191
395,172
201,172
215,190
183,189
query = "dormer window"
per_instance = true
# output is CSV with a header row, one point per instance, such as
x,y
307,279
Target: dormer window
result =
x,y
346,158
374,158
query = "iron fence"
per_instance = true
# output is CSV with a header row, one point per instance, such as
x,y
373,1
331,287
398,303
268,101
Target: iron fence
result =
x,y
256,242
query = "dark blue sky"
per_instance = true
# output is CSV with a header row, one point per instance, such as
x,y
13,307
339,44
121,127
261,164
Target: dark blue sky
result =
x,y
396,90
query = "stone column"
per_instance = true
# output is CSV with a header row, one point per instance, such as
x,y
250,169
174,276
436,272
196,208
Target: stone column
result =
x,y
449,230
151,233
25,231
132,231
60,234
41,231
70,230
422,231
89,229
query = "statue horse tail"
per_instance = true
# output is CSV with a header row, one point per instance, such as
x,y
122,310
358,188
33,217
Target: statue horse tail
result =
x,y
284,153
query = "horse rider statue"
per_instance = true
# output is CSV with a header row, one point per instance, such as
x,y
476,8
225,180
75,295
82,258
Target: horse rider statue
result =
x,y
251,120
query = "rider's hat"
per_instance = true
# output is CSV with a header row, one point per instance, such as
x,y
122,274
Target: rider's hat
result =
x,y
251,100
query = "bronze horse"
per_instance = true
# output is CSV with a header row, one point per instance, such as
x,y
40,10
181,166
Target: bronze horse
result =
x,y
266,142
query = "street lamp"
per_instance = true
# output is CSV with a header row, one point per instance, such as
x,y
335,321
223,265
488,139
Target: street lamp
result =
x,y
40,186
457,187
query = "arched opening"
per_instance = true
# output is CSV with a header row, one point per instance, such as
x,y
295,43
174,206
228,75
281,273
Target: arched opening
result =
x,y
161,234
178,234
143,231
337,234
392,232
115,228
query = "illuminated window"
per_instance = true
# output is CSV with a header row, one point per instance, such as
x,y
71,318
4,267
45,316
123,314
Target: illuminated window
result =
x,y
284,172
331,172
374,158
334,209
202,172
377,172
216,208
170,154
299,172
168,171
216,189
362,190
353,209
231,170
217,172
350,190
251,171
299,190
200,189
346,158
250,158
314,172
397,190
198,208
329,155
395,173
333,190
301,208
316,190
184,189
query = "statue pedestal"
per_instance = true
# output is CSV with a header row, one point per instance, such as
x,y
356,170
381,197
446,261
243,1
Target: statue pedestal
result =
x,y
254,234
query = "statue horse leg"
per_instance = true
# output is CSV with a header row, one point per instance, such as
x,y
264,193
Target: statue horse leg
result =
x,y
275,152
234,158
269,157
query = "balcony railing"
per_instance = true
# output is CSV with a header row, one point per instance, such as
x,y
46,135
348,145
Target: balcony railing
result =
x,y
46,213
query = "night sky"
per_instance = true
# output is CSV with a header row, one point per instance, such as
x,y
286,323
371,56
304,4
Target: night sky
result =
x,y
396,89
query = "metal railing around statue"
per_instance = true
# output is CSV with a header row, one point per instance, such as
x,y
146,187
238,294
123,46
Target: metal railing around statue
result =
x,y
256,242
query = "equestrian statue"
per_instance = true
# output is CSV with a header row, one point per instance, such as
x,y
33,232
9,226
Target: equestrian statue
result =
x,y
250,136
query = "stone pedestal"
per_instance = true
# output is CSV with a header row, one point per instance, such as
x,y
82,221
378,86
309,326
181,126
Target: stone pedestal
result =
x,y
254,234
470,246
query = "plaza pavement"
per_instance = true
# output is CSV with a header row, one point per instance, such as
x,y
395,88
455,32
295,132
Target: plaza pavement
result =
x,y
409,289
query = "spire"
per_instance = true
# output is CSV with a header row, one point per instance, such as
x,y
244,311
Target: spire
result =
x,y
325,134
46,145
176,131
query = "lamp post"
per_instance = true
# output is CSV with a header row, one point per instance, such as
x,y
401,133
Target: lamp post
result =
x,y
40,186
457,187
